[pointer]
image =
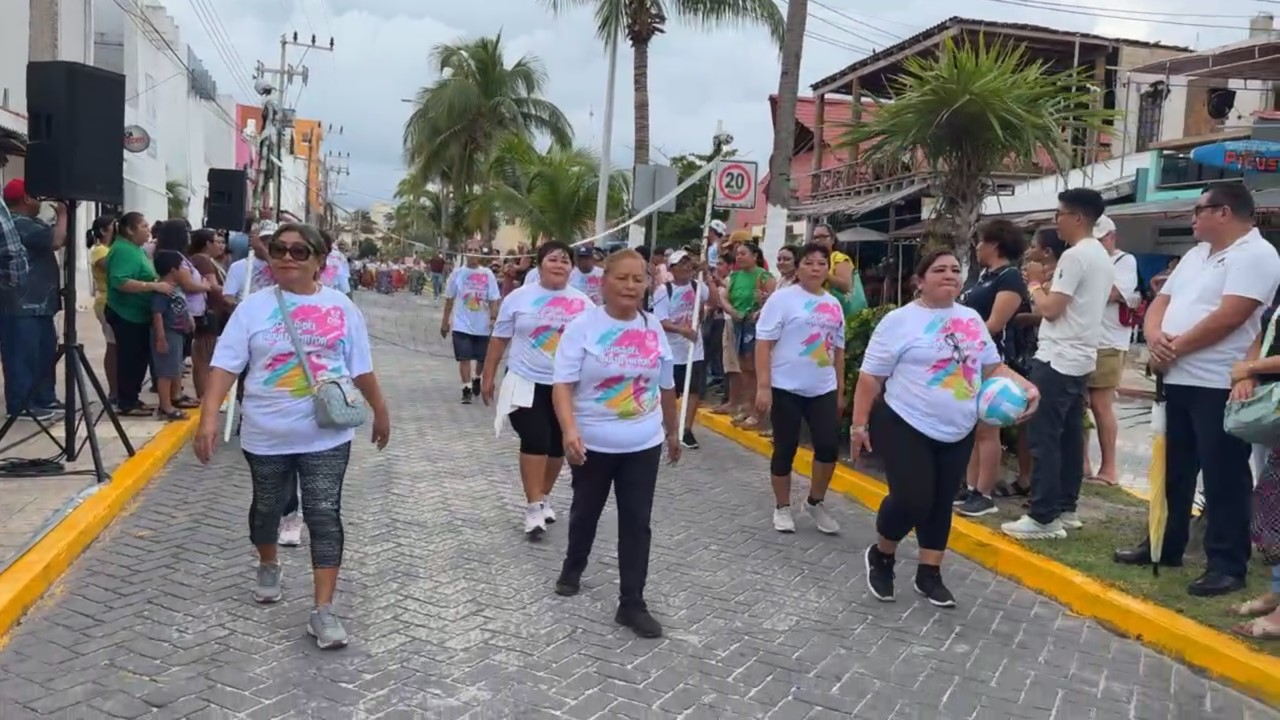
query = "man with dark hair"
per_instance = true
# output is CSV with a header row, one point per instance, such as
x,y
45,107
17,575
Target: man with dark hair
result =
x,y
1071,305
1203,322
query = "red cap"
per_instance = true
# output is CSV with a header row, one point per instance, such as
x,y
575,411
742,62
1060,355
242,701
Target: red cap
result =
x,y
15,191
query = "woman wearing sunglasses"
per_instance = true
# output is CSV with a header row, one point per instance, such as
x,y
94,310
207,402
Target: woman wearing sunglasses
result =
x,y
281,437
916,403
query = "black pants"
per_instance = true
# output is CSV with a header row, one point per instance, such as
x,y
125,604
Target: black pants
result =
x,y
1195,442
923,475
321,474
537,426
634,476
133,356
1056,437
713,345
819,413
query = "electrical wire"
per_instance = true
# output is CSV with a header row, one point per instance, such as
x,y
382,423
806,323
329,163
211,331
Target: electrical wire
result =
x,y
1078,11
222,43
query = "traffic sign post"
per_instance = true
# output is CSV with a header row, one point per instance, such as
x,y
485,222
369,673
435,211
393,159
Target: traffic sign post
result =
x,y
735,185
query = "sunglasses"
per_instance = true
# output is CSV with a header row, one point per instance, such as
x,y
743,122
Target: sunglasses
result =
x,y
957,349
298,253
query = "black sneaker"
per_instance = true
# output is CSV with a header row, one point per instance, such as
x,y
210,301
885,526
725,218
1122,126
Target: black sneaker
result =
x,y
466,396
977,505
963,496
475,386
879,574
568,586
929,584
689,440
639,620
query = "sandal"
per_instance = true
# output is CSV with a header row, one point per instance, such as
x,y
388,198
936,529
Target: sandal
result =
x,y
1101,481
1263,628
186,402
173,414
1013,489
1257,607
135,411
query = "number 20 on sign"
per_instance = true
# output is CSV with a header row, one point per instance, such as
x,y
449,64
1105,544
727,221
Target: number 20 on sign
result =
x,y
736,185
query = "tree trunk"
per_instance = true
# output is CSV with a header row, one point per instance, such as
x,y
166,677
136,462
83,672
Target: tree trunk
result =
x,y
640,86
779,195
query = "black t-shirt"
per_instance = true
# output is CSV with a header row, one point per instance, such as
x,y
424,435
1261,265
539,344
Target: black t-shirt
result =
x,y
981,296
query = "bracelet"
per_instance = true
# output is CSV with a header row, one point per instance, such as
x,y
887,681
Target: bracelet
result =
x,y
858,428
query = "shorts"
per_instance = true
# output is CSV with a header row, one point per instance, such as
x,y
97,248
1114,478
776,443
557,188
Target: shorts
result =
x,y
107,332
745,337
469,347
537,426
1109,371
168,365
697,383
729,348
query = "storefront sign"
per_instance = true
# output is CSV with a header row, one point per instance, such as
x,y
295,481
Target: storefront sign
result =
x,y
136,140
1261,156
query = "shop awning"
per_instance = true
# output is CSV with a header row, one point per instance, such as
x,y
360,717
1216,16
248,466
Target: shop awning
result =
x,y
856,206
1251,59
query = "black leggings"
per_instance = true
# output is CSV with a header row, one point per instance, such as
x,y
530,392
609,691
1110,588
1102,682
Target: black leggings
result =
x,y
537,426
823,419
634,476
321,474
923,475
133,356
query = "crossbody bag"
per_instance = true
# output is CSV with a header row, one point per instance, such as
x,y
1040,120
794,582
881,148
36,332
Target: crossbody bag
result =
x,y
339,405
1256,420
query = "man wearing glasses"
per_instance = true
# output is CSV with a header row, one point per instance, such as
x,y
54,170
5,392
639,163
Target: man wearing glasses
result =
x,y
1204,320
1071,304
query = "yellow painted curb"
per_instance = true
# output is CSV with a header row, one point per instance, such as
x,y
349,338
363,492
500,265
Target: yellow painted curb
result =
x,y
1215,652
30,576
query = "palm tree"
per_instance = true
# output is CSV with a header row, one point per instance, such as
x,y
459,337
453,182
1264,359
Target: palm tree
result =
x,y
176,196
477,100
362,222
640,21
971,110
551,193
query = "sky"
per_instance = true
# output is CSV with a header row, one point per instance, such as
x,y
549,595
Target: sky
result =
x,y
697,76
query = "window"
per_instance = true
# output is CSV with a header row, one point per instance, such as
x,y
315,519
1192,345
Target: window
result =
x,y
1150,114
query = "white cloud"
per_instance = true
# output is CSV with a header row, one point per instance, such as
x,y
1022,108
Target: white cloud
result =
x,y
696,77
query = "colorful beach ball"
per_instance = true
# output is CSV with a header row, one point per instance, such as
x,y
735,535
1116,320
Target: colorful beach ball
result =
x,y
1001,402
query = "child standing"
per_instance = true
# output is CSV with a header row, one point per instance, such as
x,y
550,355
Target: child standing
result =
x,y
170,323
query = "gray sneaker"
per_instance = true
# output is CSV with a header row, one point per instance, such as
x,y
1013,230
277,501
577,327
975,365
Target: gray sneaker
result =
x,y
325,628
268,589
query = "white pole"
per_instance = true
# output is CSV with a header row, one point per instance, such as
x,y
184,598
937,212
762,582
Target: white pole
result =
x,y
230,423
717,148
606,136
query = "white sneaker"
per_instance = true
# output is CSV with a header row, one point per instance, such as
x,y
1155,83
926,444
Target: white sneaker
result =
x,y
827,525
1071,521
783,522
535,523
1025,528
548,515
291,530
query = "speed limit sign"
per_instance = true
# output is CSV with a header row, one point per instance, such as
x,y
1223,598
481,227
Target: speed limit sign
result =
x,y
736,185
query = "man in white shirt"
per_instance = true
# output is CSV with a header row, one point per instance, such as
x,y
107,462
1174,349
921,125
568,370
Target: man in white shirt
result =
x,y
1117,328
1204,320
1071,305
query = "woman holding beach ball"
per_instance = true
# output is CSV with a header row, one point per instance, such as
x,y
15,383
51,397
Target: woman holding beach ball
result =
x,y
917,403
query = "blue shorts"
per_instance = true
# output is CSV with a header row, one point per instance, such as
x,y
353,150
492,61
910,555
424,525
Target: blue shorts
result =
x,y
744,331
469,347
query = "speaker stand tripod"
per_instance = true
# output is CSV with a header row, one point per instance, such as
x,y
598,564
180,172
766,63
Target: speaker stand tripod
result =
x,y
78,376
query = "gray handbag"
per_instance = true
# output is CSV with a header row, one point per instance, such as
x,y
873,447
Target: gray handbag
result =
x,y
339,405
1257,419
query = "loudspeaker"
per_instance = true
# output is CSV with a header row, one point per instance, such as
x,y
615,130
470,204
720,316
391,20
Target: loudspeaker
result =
x,y
76,128
227,202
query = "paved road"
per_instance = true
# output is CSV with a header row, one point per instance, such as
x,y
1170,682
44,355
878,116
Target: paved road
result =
x,y
452,615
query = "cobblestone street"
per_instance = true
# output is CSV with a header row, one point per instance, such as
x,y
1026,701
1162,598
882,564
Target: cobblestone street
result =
x,y
451,611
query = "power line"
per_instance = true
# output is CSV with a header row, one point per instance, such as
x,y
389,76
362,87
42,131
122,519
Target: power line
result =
x,y
1077,10
226,53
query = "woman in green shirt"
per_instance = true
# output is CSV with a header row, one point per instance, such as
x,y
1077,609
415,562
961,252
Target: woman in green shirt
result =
x,y
744,294
131,279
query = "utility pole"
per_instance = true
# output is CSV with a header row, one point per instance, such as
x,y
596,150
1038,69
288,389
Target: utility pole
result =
x,y
285,74
784,134
335,165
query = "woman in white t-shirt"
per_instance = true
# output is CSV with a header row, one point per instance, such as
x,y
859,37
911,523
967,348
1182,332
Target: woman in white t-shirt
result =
x,y
929,359
531,321
280,437
614,396
800,376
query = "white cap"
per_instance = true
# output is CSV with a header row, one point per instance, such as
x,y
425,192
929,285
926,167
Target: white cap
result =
x,y
719,227
678,255
1104,227
267,228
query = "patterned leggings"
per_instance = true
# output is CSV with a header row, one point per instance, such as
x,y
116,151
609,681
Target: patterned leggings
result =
x,y
320,474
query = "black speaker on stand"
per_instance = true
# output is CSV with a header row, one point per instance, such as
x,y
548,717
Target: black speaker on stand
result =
x,y
76,153
228,199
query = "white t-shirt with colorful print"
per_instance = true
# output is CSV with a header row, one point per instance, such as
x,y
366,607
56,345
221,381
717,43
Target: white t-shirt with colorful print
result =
x,y
932,359
679,310
618,369
471,289
588,283
279,416
337,272
534,319
806,330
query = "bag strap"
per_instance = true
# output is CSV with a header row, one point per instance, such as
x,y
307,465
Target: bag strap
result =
x,y
1269,336
298,347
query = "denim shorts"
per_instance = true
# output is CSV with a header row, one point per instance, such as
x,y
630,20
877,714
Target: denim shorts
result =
x,y
744,332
